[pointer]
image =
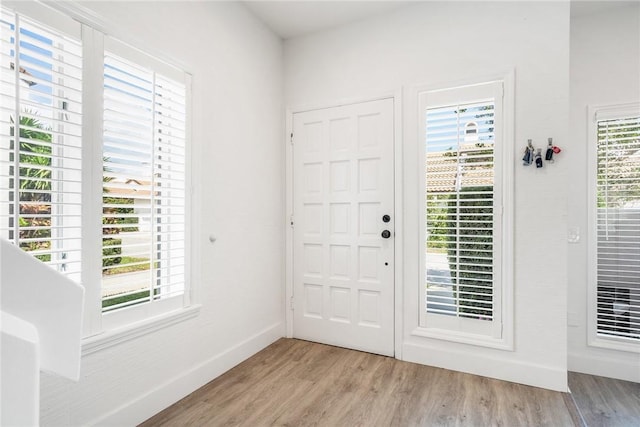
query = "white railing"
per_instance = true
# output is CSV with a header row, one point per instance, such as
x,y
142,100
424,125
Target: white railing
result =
x,y
41,330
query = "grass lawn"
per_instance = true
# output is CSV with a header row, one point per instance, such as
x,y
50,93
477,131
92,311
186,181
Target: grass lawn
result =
x,y
126,298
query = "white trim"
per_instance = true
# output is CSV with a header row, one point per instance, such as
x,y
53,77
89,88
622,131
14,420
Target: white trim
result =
x,y
610,366
462,337
509,212
399,222
592,253
487,365
92,124
192,203
396,96
503,338
321,105
288,272
596,113
143,407
613,343
134,330
616,111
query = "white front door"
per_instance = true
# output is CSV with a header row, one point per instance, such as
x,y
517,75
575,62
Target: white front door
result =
x,y
343,181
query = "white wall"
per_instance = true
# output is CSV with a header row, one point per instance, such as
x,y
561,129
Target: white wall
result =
x,y
605,69
238,166
438,42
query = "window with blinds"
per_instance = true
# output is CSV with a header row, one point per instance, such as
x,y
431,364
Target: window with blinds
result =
x,y
466,262
64,136
40,128
618,227
459,210
143,210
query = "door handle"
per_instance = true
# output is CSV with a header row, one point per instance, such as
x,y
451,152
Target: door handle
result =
x,y
386,234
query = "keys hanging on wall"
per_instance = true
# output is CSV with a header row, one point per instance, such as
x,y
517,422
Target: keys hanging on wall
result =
x,y
533,155
527,159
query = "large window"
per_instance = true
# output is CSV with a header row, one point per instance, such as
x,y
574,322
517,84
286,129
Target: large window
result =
x,y
69,133
464,233
616,224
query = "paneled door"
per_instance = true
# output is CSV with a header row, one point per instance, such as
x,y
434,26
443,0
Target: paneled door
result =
x,y
343,226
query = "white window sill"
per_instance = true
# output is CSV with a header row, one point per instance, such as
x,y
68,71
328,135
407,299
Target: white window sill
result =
x,y
612,343
114,337
463,338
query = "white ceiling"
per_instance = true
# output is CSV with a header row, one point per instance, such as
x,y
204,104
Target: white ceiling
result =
x,y
296,18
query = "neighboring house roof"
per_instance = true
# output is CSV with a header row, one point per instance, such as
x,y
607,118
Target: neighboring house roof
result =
x,y
129,187
445,172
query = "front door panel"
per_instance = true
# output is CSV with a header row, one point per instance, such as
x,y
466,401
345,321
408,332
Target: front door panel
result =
x,y
343,187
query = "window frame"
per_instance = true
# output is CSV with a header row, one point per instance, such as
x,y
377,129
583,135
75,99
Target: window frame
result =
x,y
501,335
102,330
596,113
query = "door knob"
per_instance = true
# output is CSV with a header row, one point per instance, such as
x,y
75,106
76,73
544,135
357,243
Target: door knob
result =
x,y
386,218
386,234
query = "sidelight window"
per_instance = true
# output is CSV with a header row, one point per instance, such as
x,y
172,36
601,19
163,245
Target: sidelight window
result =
x,y
616,225
464,242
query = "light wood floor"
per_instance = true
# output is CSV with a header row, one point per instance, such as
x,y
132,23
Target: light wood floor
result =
x,y
605,402
298,383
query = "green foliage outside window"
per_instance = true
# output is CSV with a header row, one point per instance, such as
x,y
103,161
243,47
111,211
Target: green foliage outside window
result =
x,y
618,165
35,186
470,250
34,218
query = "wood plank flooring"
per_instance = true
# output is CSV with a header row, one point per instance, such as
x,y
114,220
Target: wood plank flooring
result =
x,y
298,383
605,402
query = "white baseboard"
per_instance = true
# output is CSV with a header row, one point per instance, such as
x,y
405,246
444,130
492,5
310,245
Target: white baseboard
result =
x,y
610,367
163,396
487,366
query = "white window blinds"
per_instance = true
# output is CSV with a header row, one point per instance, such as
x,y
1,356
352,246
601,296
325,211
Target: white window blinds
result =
x,y
618,227
460,210
40,127
143,212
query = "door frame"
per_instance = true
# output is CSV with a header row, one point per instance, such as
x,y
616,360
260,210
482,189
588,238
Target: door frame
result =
x,y
398,241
